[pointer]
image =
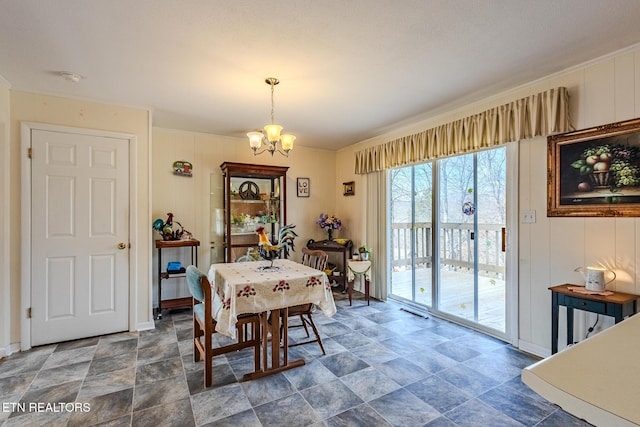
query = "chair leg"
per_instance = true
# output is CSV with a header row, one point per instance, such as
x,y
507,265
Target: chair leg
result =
x,y
304,324
317,338
208,359
197,333
315,331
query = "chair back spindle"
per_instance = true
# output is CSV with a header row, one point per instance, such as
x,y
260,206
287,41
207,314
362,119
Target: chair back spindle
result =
x,y
315,258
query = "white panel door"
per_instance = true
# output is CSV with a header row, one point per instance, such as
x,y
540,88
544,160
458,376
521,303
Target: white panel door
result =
x,y
80,236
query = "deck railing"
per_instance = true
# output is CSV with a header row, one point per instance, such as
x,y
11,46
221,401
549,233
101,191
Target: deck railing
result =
x,y
456,250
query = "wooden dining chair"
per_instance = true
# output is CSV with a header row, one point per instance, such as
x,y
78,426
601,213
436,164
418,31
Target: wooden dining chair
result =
x,y
315,259
204,325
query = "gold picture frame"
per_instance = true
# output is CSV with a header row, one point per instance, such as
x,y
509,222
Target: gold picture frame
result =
x,y
595,172
349,188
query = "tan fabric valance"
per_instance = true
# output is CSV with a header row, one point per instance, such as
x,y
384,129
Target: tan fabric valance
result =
x,y
541,114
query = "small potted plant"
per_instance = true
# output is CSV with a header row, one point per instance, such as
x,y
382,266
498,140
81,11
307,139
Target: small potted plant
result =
x,y
364,251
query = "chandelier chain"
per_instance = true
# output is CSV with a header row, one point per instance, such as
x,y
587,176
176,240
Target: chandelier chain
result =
x,y
272,86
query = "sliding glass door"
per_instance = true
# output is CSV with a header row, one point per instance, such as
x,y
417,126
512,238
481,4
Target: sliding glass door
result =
x,y
457,268
471,220
457,229
411,235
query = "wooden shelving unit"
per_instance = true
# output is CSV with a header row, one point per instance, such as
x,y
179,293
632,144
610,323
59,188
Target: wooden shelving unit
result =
x,y
254,196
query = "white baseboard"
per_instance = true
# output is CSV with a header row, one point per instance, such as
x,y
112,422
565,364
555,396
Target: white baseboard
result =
x,y
534,349
9,350
145,326
15,347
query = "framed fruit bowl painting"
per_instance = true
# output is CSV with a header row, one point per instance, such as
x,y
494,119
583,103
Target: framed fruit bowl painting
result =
x,y
595,171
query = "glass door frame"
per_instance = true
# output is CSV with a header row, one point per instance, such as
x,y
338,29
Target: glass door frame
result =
x,y
474,237
437,221
411,304
511,256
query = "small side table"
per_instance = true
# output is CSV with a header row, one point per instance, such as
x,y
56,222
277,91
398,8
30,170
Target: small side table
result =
x,y
619,305
174,303
358,268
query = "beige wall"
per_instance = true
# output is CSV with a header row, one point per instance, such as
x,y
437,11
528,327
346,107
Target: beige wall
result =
x,y
31,107
602,91
191,199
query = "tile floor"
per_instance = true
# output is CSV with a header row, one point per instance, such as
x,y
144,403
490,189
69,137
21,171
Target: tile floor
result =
x,y
384,367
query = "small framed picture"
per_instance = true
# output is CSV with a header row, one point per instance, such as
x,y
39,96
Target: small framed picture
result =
x,y
303,187
182,168
349,188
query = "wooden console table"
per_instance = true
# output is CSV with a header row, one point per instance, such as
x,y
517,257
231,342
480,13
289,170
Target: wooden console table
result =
x,y
333,246
619,305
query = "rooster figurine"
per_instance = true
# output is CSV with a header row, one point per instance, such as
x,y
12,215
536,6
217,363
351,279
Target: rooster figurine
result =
x,y
166,228
270,251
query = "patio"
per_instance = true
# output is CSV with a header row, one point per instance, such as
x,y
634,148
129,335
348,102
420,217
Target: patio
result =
x,y
456,290
456,296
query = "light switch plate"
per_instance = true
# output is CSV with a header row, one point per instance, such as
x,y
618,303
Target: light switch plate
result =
x,y
529,216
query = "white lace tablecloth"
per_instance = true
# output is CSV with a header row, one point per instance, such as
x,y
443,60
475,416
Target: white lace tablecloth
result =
x,y
244,287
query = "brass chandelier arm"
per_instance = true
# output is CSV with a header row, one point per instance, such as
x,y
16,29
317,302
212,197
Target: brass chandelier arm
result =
x,y
271,136
271,149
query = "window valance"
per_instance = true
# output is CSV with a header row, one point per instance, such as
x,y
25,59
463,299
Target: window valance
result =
x,y
540,114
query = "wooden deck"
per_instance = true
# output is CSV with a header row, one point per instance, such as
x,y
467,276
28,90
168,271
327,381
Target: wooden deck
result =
x,y
456,295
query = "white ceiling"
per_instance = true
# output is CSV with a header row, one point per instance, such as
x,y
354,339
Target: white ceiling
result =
x,y
349,69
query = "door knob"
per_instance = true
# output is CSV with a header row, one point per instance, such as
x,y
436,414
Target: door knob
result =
x,y
122,245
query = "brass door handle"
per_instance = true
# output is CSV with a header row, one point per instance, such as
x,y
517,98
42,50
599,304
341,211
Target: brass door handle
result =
x,y
504,239
122,245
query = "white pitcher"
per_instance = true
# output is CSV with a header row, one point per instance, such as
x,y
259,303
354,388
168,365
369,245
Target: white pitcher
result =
x,y
594,278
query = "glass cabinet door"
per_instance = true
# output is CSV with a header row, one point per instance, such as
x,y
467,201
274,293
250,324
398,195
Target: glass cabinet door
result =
x,y
216,218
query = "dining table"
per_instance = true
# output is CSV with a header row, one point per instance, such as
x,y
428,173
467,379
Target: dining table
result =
x,y
268,289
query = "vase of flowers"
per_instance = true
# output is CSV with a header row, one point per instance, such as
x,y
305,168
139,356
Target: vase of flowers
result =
x,y
329,223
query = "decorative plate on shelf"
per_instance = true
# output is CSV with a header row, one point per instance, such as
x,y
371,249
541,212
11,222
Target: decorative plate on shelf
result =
x,y
249,190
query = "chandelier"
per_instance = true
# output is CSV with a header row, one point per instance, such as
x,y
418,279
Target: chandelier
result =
x,y
271,138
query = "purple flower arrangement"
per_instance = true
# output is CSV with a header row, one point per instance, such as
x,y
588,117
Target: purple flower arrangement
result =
x,y
331,222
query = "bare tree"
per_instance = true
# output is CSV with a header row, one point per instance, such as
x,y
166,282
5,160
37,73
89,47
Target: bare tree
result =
x,y
492,177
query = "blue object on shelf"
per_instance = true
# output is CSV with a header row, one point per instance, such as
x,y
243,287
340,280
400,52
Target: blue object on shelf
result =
x,y
174,266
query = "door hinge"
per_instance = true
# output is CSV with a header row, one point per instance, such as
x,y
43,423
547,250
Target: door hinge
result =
x,y
29,312
30,152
